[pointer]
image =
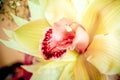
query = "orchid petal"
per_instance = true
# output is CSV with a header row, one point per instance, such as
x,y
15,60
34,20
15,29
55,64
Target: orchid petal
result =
x,y
102,18
29,35
11,43
70,56
104,53
85,71
67,73
48,71
35,1
32,68
36,9
8,33
58,9
81,6
19,21
53,69
110,16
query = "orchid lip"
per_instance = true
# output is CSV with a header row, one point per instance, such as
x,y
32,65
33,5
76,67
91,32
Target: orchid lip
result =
x,y
64,35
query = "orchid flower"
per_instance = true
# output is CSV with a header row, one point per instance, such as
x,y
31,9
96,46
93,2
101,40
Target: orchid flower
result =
x,y
71,39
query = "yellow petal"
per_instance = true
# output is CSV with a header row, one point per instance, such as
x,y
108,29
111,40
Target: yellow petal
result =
x,y
11,43
35,1
49,71
32,68
36,66
104,53
8,32
85,71
102,16
52,70
29,35
58,9
110,18
19,21
81,6
67,73
36,9
70,56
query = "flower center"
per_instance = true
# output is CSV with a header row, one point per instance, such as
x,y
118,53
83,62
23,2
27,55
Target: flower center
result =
x,y
63,35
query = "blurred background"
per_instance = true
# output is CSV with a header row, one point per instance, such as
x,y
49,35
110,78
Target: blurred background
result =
x,y
10,60
19,8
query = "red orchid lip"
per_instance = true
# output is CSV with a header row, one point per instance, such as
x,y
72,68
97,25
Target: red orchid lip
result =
x,y
63,35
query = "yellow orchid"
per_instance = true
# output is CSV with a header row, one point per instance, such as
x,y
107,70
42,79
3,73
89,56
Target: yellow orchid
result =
x,y
95,30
